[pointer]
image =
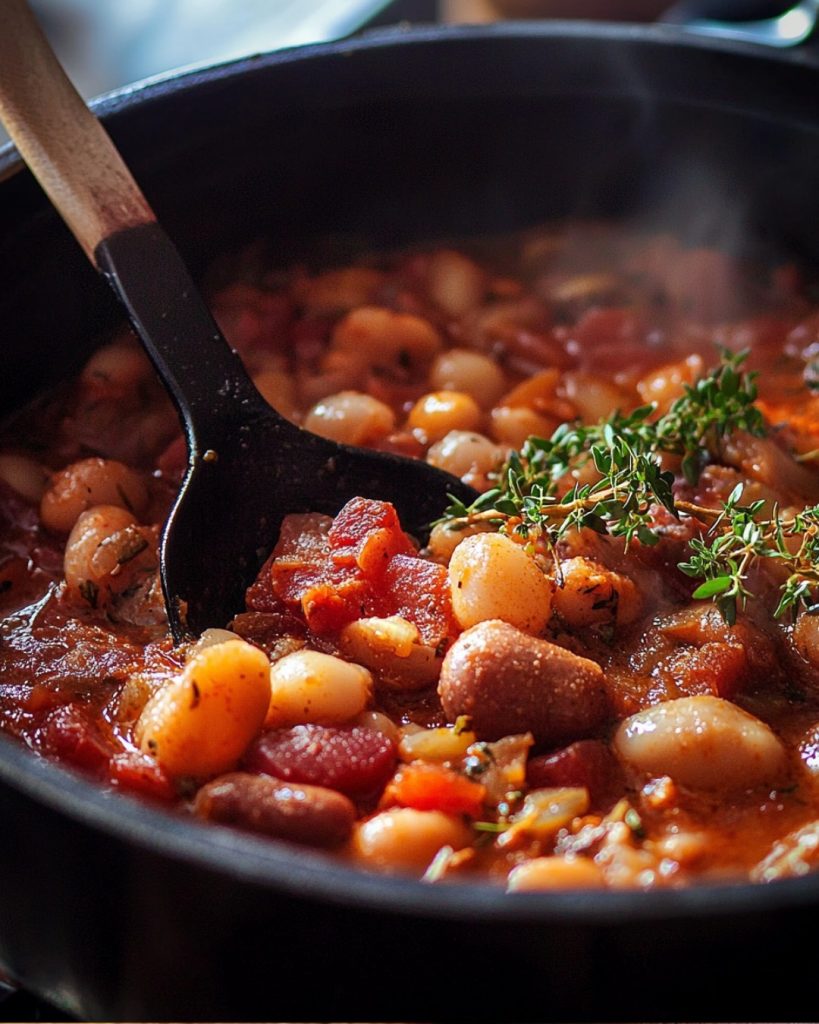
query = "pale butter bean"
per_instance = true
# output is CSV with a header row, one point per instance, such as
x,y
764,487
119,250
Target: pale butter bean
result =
x,y
588,594
277,388
552,873
806,637
377,721
666,384
308,686
90,482
595,398
350,417
97,542
443,539
200,723
392,648
466,454
434,415
492,577
703,742
461,369
403,839
122,365
210,638
339,290
455,283
512,425
384,337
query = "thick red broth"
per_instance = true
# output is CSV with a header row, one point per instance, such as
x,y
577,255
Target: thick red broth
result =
x,y
604,674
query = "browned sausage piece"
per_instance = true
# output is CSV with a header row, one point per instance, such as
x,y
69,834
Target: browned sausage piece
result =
x,y
510,682
311,815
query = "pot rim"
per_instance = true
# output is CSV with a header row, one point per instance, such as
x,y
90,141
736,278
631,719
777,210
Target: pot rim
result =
x,y
303,873
189,78
294,870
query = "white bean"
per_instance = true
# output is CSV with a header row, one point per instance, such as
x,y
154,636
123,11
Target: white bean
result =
x,y
703,742
392,648
200,723
339,290
350,417
589,594
666,384
595,398
511,425
443,540
210,638
121,365
278,389
383,337
308,686
468,455
492,577
94,549
377,721
549,873
90,482
455,283
806,637
434,415
461,369
403,839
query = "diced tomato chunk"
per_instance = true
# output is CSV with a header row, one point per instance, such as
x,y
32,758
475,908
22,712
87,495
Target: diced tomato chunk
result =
x,y
349,758
367,534
432,787
328,607
140,774
715,668
587,763
70,735
418,591
261,595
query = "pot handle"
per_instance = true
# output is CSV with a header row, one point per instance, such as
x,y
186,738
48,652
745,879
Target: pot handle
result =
x,y
772,23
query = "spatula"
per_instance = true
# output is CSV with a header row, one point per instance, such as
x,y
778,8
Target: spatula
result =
x,y
248,467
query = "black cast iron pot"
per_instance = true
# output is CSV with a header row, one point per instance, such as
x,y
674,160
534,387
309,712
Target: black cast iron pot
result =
x,y
116,911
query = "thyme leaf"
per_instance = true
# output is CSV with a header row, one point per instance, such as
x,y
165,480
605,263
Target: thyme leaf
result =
x,y
610,477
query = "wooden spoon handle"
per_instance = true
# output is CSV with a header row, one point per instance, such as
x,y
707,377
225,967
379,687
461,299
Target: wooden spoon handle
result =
x,y
60,139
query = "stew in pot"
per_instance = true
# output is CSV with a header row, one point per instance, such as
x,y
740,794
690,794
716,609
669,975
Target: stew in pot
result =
x,y
605,673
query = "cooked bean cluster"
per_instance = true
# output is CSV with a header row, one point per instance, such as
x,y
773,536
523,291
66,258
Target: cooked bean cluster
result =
x,y
483,706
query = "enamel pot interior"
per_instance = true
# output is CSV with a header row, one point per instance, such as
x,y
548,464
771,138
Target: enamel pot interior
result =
x,y
117,911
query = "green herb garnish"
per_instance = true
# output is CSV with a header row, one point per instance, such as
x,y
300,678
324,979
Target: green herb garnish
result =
x,y
627,453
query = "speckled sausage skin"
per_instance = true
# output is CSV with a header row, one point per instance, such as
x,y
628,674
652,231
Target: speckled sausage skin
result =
x,y
303,814
510,682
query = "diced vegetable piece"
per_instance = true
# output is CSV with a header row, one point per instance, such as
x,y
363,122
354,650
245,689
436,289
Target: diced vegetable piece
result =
x,y
432,787
586,763
351,759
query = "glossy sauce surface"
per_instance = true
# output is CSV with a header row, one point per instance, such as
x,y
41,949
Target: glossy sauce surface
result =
x,y
488,706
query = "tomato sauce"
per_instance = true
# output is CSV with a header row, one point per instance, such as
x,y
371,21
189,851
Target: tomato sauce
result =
x,y
663,733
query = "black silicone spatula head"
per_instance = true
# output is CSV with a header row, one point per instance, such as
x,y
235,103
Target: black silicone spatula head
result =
x,y
248,467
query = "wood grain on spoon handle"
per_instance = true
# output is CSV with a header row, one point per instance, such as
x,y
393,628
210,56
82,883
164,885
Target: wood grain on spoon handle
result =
x,y
63,143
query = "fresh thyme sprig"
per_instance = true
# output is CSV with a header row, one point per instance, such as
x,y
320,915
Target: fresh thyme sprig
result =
x,y
739,537
626,453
